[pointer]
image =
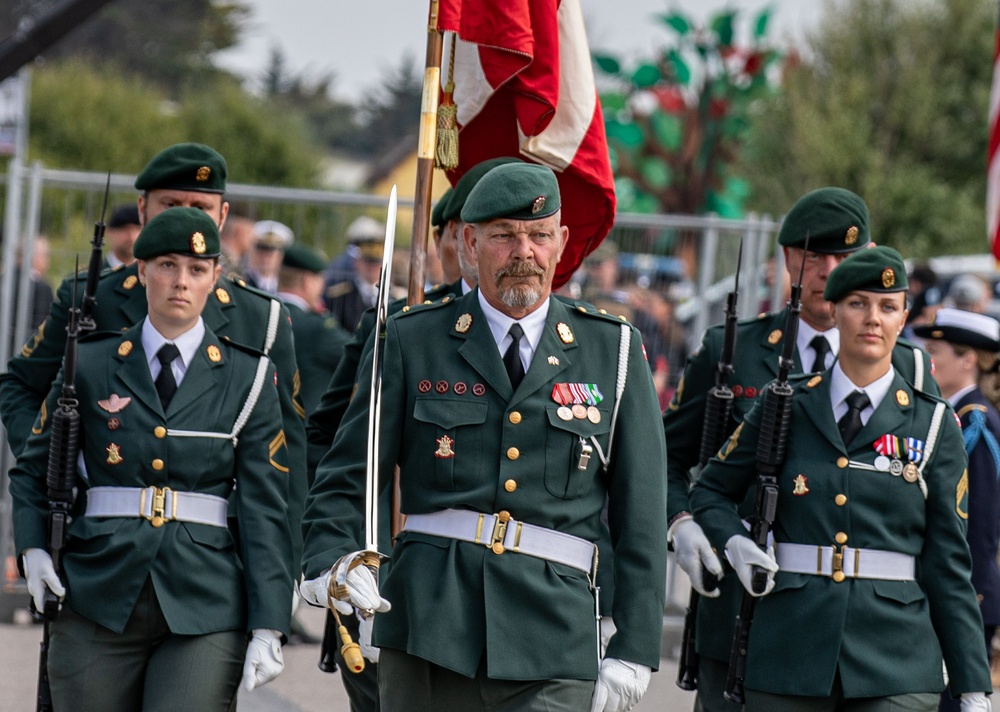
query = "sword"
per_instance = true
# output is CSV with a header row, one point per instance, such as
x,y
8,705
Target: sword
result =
x,y
375,404
371,557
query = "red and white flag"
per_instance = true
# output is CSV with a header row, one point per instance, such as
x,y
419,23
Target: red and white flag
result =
x,y
524,87
993,155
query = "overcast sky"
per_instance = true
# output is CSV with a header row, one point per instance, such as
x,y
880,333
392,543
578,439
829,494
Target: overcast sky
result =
x,y
361,41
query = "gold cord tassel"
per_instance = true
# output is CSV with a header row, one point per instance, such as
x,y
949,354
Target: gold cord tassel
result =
x,y
446,153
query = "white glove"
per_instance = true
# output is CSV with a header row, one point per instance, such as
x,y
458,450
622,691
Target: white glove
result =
x,y
620,686
743,554
608,629
41,577
370,652
974,702
264,661
694,552
362,589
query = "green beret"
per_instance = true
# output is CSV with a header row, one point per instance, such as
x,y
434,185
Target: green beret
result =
x,y
835,220
468,181
299,256
439,207
178,231
185,166
519,191
877,269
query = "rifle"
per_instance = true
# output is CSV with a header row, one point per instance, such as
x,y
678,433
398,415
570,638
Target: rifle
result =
x,y
714,431
771,449
94,267
60,478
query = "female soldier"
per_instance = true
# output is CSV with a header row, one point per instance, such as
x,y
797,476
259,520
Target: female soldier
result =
x,y
158,597
964,346
872,563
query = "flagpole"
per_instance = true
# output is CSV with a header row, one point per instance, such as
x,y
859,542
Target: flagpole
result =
x,y
426,144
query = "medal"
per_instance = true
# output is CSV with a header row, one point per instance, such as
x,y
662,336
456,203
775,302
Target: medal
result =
x,y
896,468
882,463
593,415
564,413
579,411
910,472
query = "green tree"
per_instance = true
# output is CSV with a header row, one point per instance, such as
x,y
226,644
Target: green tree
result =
x,y
391,112
675,121
90,118
167,41
330,122
889,100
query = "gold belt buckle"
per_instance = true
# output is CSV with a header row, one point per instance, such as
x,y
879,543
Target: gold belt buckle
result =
x,y
838,574
158,515
499,532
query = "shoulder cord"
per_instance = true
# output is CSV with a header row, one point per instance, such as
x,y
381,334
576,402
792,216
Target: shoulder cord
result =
x,y
272,325
918,369
623,347
932,435
242,418
976,430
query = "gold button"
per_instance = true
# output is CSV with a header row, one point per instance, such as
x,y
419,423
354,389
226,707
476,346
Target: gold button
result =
x,y
841,538
514,417
840,499
838,576
157,464
510,485
160,432
842,462
513,453
497,548
504,516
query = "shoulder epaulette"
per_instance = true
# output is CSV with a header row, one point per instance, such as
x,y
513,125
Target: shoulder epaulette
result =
x,y
589,309
339,289
91,336
238,283
256,353
411,309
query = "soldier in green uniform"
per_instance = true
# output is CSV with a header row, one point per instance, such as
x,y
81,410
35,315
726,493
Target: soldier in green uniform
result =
x,y
461,276
873,569
511,429
158,597
319,339
182,175
837,224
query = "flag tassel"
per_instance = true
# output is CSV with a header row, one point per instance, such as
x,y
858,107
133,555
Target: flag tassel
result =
x,y
446,154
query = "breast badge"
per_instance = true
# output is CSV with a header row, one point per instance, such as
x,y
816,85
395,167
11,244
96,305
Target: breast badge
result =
x,y
114,454
800,486
114,403
578,400
444,450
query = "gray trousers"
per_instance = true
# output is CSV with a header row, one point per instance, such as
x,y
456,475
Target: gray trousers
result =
x,y
411,684
146,667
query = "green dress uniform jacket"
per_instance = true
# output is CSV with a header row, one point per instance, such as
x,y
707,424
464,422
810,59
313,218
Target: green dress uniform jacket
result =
x,y
235,312
755,364
319,347
203,580
464,440
882,637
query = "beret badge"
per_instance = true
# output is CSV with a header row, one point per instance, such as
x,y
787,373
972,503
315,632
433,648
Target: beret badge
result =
x,y
852,235
888,277
198,243
537,204
203,174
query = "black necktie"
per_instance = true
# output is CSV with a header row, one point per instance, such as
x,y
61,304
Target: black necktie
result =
x,y
822,347
850,423
165,383
512,358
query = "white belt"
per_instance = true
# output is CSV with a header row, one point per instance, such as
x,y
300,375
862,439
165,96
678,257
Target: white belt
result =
x,y
157,505
501,533
846,563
